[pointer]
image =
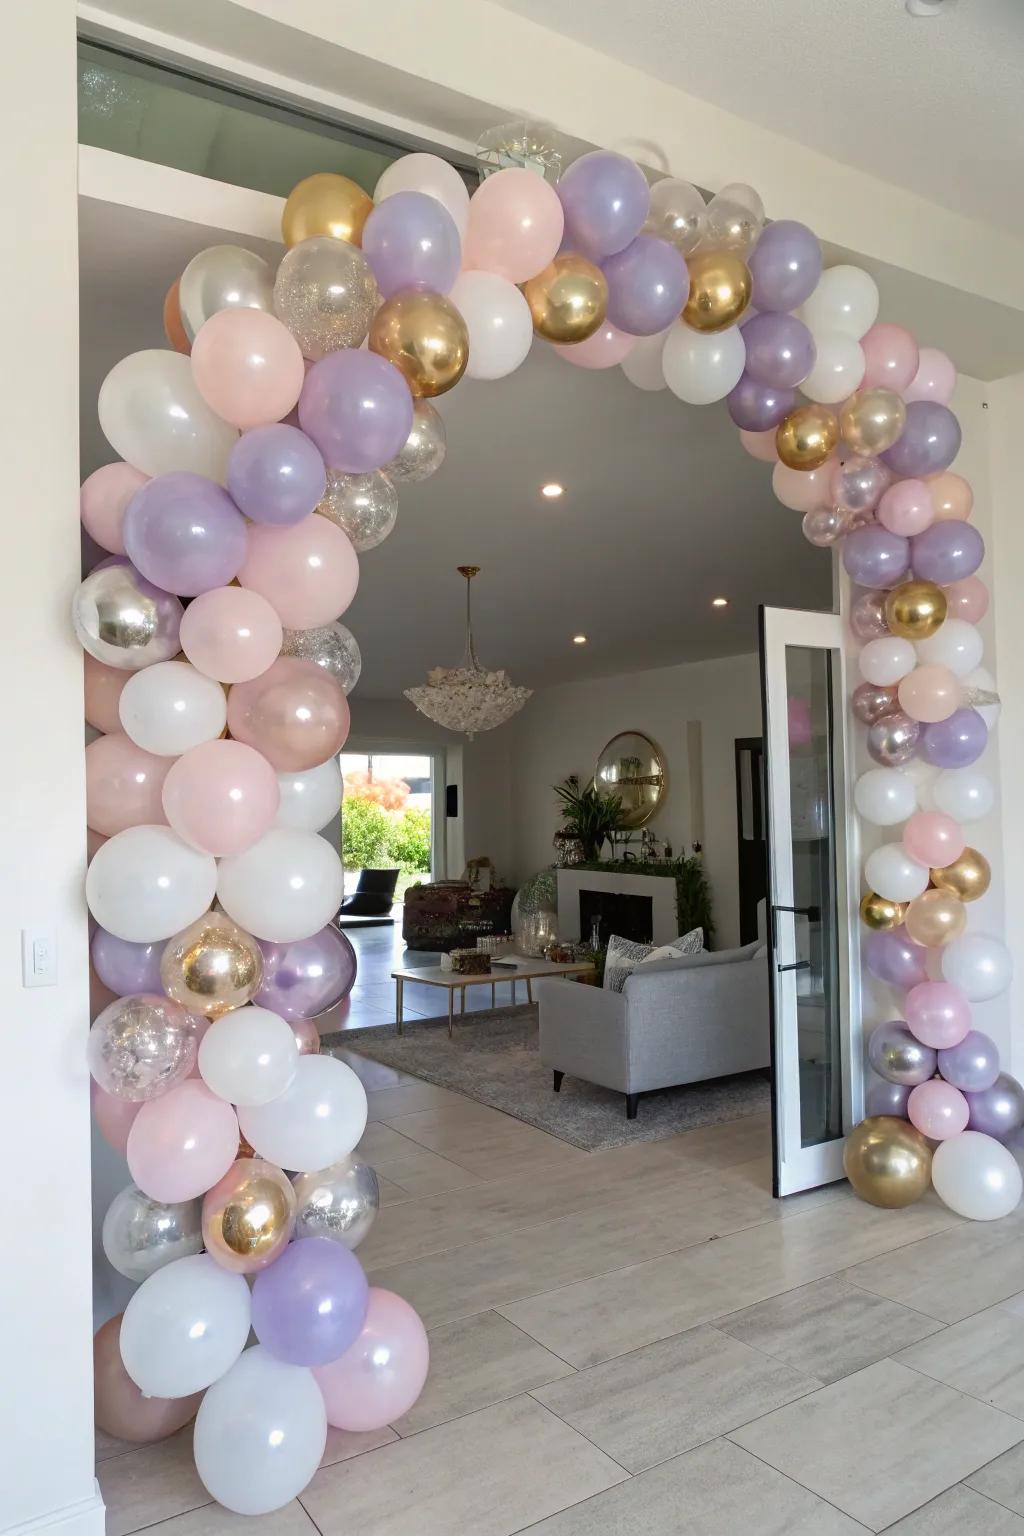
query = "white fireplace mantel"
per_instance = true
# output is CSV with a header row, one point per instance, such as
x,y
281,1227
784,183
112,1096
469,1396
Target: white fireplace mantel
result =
x,y
661,889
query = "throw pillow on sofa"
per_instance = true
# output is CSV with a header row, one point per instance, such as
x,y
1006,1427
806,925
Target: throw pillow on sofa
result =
x,y
624,956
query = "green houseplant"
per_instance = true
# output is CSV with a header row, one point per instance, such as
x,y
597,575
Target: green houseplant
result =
x,y
588,814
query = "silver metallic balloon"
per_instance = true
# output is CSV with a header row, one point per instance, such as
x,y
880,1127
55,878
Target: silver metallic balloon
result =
x,y
326,295
332,647
677,214
424,449
123,620
140,1046
893,739
898,1057
339,1202
141,1235
223,277
735,219
365,507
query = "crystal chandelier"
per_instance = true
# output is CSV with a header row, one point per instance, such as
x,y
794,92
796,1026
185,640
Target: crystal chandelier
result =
x,y
467,698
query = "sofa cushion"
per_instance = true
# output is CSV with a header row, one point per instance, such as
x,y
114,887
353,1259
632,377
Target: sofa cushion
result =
x,y
624,955
707,957
691,943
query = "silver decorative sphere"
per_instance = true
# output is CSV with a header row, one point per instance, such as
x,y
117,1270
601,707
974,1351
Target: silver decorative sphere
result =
x,y
141,1235
363,506
140,1046
424,449
332,647
326,294
223,277
339,1202
123,620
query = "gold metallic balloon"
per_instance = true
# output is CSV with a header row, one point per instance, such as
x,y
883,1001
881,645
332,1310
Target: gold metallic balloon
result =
x,y
719,290
887,1161
968,877
325,204
879,913
915,609
249,1215
872,419
212,966
936,918
807,436
568,300
424,335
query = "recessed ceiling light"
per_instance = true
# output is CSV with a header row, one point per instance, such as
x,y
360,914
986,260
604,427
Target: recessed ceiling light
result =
x,y
552,490
719,602
927,7
579,639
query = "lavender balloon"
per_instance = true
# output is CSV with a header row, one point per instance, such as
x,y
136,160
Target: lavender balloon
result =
x,y
185,534
304,979
997,1111
757,407
874,557
309,1306
276,475
893,739
930,441
605,199
357,408
124,967
647,286
785,266
882,1098
898,1057
780,350
973,1065
412,241
947,552
892,956
954,743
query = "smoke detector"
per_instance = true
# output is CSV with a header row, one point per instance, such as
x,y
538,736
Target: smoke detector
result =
x,y
928,7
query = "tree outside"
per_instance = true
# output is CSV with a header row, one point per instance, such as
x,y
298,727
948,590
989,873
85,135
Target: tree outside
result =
x,y
385,823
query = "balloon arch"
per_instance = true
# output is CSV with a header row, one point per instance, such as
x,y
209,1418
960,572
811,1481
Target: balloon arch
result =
x,y
257,460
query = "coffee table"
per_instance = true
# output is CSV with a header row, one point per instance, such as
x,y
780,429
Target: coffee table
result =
x,y
527,969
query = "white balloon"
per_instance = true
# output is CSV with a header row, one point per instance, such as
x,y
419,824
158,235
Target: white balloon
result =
x,y
701,368
170,707
316,1121
260,1433
147,883
429,174
248,1056
498,320
976,1176
846,300
885,796
980,965
287,886
891,872
922,775
955,644
310,798
981,683
154,417
886,660
184,1327
963,793
644,365
838,368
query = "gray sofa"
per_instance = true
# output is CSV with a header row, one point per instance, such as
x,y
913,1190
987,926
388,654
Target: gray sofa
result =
x,y
675,1021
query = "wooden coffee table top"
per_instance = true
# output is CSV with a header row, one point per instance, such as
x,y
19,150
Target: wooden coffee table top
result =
x,y
526,969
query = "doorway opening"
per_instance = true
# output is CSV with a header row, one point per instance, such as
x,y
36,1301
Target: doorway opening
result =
x,y
388,820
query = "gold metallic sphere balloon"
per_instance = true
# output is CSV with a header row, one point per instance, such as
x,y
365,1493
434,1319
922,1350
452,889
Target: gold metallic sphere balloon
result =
x,y
936,918
325,204
424,335
872,419
212,966
879,913
249,1215
887,1161
719,290
807,436
915,609
568,300
968,877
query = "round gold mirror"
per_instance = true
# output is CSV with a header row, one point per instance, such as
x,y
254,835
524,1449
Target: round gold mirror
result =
x,y
632,767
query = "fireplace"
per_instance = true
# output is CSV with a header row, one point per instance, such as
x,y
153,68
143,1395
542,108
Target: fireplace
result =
x,y
619,912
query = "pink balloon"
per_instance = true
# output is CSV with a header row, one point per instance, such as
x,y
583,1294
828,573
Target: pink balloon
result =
x,y
891,356
105,494
295,714
307,1036
938,1109
114,1117
933,838
935,378
930,693
182,1142
308,572
967,599
906,508
247,366
121,1409
103,687
123,784
802,489
604,349
761,445
379,1378
952,495
937,1013
221,797
231,634
515,225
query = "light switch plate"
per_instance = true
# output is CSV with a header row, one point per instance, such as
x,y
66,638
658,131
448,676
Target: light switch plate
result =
x,y
38,957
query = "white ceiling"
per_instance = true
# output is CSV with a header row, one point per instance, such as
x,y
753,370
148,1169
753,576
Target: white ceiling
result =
x,y
932,105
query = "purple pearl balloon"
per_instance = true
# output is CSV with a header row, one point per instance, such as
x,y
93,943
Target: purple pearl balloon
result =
x,y
647,286
309,1306
185,534
605,199
757,407
997,1111
874,557
893,739
947,552
412,241
304,979
780,350
973,1065
929,443
785,265
124,967
882,1098
954,743
276,475
898,1057
357,408
892,956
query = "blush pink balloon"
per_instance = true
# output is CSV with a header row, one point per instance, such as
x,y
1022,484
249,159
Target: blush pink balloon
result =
x,y
933,839
295,714
247,366
906,508
604,349
891,357
952,496
105,494
120,1408
307,1036
123,784
760,445
515,225
381,1375
967,599
103,686
930,693
221,797
308,572
114,1117
937,1013
182,1142
938,1109
231,634
935,378
802,489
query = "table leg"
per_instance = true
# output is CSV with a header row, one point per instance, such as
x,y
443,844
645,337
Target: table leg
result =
x,y
462,1004
529,990
513,986
399,1000
492,994
451,1010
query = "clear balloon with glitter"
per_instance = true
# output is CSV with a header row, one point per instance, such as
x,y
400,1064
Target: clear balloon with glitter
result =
x,y
332,647
364,507
140,1046
326,294
424,449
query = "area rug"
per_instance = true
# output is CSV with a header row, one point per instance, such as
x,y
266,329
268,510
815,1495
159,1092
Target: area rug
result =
x,y
493,1058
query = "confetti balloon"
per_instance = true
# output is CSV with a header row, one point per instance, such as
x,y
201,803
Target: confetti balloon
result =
x,y
423,452
140,1046
364,507
332,647
325,293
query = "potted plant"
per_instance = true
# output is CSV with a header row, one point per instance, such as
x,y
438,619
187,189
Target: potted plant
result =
x,y
588,817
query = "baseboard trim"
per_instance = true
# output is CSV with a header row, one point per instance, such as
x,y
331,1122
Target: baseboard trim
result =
x,y
85,1518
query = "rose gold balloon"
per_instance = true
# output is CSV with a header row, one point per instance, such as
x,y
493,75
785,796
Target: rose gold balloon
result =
x,y
295,713
930,694
307,1035
935,918
103,688
871,420
952,495
212,966
425,337
121,1409
867,616
968,877
248,1216
871,702
174,330
807,436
